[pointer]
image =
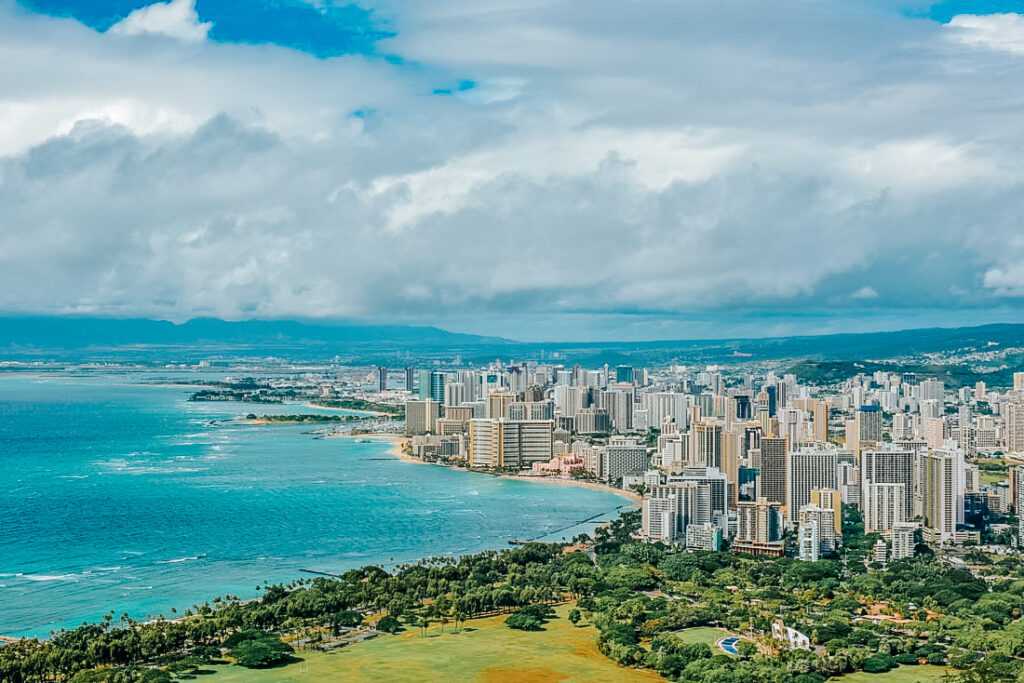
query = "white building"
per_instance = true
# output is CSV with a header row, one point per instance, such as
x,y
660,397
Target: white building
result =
x,y
884,506
903,540
808,468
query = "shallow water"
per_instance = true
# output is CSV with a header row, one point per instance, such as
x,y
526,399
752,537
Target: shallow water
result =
x,y
126,498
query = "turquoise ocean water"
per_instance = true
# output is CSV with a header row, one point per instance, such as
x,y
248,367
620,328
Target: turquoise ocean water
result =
x,y
117,496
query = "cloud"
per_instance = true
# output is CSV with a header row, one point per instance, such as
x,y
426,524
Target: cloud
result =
x,y
864,293
675,168
1007,281
994,31
175,18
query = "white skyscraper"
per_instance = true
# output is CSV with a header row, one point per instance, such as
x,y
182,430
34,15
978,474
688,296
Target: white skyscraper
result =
x,y
884,506
943,493
807,542
903,540
808,468
889,466
824,521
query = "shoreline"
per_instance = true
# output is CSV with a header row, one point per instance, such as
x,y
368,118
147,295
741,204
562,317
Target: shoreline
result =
x,y
397,450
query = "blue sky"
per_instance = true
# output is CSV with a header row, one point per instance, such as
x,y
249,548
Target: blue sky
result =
x,y
944,11
326,32
331,29
516,168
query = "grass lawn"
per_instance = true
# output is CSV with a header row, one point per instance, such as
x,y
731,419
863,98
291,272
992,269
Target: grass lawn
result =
x,y
702,634
904,674
489,652
991,478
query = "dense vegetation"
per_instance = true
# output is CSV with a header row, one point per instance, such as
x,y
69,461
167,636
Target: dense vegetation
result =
x,y
954,375
638,596
361,404
306,418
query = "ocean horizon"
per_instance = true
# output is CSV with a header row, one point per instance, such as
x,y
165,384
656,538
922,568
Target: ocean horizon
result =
x,y
124,497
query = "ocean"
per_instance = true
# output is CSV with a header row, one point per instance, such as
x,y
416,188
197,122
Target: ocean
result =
x,y
126,498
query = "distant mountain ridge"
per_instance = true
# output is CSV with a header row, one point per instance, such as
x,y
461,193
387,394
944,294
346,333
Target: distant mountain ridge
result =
x,y
120,338
74,332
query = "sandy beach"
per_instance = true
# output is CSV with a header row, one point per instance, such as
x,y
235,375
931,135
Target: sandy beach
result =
x,y
398,443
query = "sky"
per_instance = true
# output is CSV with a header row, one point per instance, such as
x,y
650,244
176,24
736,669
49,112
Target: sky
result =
x,y
535,170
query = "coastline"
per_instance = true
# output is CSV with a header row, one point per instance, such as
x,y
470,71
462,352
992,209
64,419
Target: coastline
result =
x,y
397,450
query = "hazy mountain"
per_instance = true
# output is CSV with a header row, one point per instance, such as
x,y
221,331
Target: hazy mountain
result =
x,y
50,332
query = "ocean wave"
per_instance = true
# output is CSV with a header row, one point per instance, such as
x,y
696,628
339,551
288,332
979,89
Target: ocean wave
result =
x,y
179,560
121,466
46,578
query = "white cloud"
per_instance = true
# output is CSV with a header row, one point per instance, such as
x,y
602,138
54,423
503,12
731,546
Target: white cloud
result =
x,y
660,163
994,31
1006,280
175,18
864,293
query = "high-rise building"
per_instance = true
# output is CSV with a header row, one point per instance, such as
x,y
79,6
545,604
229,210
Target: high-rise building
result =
x,y
688,503
759,528
660,405
884,506
773,470
889,466
933,430
593,421
808,541
421,416
531,410
624,374
706,536
432,384
879,552
931,390
509,444
619,404
1015,426
903,426
620,459
1018,501
903,540
410,379
1018,381
848,479
869,424
659,518
830,499
707,444
820,412
943,501
570,400
484,443
1016,479
824,523
382,378
711,477
808,469
525,442
454,394
498,403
